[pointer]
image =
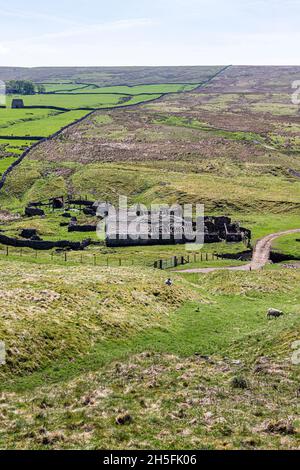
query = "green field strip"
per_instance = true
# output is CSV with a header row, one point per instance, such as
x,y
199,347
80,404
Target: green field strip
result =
x,y
10,117
64,87
71,101
5,163
139,89
46,126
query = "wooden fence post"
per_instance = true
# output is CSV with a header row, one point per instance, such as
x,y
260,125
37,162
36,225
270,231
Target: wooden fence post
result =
x,y
7,251
65,256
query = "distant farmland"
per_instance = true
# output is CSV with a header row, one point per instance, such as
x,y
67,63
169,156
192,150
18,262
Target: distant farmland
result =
x,y
63,103
87,101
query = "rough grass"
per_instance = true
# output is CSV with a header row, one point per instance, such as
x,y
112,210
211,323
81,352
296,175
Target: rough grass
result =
x,y
245,193
216,370
61,312
13,147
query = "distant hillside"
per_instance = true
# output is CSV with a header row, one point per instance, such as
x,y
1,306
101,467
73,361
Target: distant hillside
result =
x,y
111,75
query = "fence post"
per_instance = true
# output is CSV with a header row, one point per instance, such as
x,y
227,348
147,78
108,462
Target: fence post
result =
x,y
65,256
201,256
175,261
95,261
206,257
7,251
120,262
107,263
160,264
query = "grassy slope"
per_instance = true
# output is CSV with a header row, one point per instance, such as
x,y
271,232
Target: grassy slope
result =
x,y
153,373
143,184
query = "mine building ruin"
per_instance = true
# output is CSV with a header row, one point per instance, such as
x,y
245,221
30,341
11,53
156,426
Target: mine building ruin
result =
x,y
135,227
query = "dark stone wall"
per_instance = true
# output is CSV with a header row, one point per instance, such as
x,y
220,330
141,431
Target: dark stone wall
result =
x,y
41,244
82,228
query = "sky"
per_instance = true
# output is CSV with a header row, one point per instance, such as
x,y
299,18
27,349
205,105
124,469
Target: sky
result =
x,y
149,32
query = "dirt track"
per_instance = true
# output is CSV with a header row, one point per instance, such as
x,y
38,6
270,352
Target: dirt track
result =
x,y
260,258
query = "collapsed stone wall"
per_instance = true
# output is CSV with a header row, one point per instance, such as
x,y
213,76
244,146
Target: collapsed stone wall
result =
x,y
43,244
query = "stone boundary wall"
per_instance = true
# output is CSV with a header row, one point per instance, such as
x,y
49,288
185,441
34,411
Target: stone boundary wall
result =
x,y
40,244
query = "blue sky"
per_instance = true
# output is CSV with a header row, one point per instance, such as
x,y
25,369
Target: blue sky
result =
x,y
149,32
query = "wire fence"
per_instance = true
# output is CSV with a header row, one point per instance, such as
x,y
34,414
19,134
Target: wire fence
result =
x,y
98,259
184,259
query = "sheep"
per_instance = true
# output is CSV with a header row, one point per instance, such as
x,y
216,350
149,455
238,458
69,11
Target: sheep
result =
x,y
273,312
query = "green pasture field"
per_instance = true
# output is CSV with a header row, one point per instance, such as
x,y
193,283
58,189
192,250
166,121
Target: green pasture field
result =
x,y
45,126
63,87
10,117
71,101
140,89
5,163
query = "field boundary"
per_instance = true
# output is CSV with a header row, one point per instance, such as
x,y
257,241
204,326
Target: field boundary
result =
x,y
52,136
26,137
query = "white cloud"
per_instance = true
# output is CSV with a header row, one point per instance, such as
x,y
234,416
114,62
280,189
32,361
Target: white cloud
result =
x,y
4,49
33,15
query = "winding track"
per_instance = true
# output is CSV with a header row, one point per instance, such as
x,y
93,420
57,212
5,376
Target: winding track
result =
x,y
260,257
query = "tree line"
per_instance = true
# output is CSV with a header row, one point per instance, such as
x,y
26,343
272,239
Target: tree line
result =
x,y
24,87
